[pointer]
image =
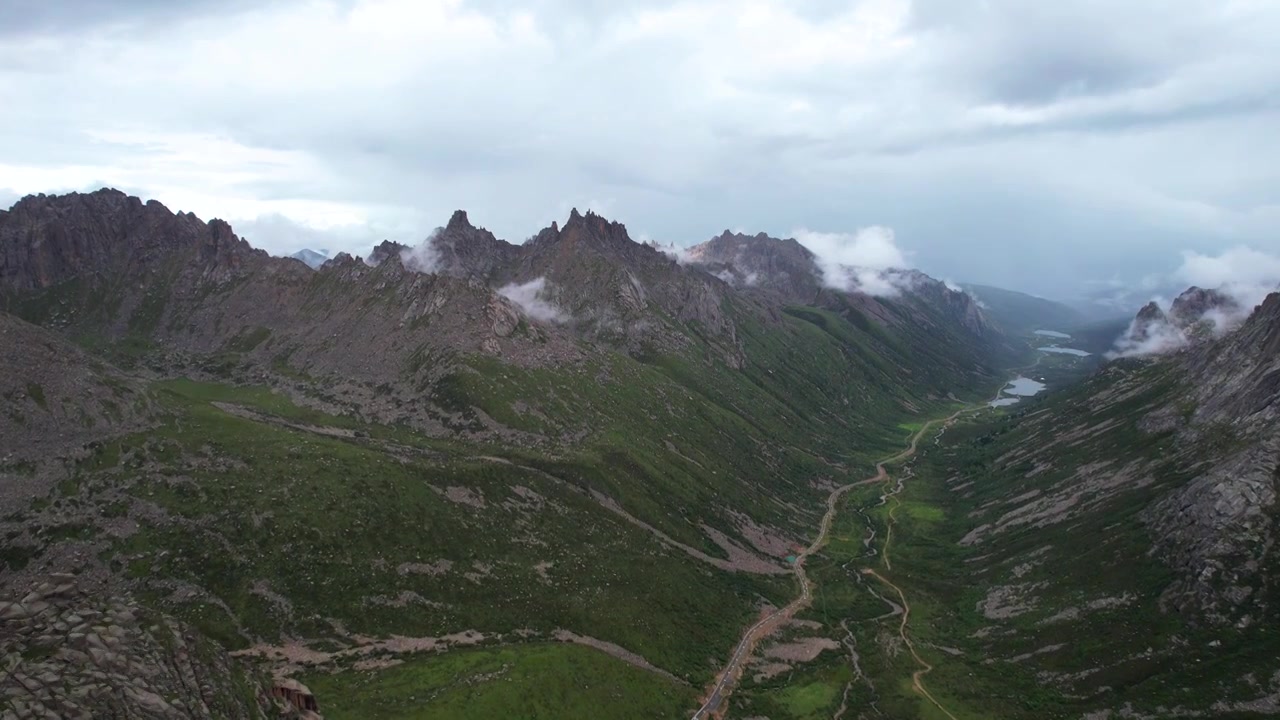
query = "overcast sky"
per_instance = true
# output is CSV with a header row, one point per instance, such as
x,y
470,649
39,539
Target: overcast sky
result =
x,y
1041,146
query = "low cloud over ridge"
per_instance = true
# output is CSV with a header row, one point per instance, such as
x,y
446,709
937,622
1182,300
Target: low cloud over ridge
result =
x,y
531,298
1237,281
1246,274
862,261
423,257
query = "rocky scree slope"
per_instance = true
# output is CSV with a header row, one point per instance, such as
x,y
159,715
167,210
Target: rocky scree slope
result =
x,y
71,655
55,399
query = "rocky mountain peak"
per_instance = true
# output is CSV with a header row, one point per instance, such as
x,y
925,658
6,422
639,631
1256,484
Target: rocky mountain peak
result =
x,y
590,233
1195,316
384,250
222,253
459,222
760,261
1195,302
1151,312
594,226
463,250
45,240
1150,321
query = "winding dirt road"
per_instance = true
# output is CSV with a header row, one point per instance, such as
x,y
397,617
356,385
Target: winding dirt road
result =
x,y
925,667
917,677
725,680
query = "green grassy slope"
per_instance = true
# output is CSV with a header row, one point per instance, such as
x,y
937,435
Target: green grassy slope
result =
x,y
258,519
535,681
1023,546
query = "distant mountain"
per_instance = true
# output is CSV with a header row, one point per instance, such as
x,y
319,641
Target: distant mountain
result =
x,y
313,258
1019,313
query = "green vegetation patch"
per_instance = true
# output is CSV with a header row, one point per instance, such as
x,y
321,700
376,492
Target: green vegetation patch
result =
x,y
532,682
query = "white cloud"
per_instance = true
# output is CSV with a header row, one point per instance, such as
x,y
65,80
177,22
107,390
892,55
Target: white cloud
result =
x,y
530,297
1155,338
1246,274
423,257
731,276
680,254
858,262
193,172
282,236
873,247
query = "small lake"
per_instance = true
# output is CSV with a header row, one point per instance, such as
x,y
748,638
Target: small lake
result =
x,y
1065,351
1023,387
1053,334
1017,389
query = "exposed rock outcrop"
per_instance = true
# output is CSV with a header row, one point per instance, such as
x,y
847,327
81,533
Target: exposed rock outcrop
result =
x,y
1195,316
70,655
49,239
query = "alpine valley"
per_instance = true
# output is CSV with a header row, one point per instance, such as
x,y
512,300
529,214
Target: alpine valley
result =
x,y
586,477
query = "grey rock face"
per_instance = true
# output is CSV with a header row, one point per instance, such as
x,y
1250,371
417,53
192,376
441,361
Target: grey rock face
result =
x,y
46,240
69,655
1192,305
1148,319
1219,530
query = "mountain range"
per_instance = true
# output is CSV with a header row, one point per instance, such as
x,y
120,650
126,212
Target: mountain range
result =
x,y
568,474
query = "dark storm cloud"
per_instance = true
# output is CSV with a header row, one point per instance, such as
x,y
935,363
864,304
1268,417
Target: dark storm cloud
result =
x,y
1099,139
